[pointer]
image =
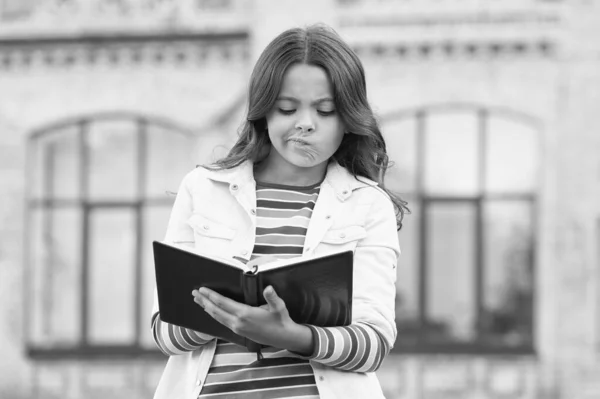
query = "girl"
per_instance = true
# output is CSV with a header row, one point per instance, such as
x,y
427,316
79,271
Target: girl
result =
x,y
304,178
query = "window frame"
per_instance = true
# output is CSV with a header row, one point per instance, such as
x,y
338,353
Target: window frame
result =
x,y
82,348
417,344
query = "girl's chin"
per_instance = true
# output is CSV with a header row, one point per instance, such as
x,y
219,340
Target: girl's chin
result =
x,y
305,164
302,162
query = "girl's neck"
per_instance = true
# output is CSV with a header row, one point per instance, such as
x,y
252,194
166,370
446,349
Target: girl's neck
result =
x,y
287,174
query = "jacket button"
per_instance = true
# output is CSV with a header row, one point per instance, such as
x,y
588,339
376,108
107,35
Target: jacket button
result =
x,y
253,211
345,192
206,227
342,235
328,217
198,382
244,252
321,378
234,187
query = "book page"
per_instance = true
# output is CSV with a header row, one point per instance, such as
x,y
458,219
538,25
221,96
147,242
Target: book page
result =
x,y
229,261
290,261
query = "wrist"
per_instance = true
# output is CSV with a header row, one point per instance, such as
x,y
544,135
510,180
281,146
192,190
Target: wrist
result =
x,y
299,339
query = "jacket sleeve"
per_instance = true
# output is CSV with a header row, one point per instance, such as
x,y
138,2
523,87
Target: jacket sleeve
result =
x,y
171,339
362,346
357,347
375,261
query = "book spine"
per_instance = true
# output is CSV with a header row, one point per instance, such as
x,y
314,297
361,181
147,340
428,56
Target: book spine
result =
x,y
251,295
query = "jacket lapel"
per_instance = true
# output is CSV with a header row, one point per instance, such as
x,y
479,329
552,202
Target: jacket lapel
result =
x,y
326,209
241,185
335,190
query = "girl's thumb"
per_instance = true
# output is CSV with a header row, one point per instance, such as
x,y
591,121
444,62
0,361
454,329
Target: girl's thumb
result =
x,y
273,299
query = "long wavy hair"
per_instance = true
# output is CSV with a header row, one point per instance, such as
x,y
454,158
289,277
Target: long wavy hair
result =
x,y
362,151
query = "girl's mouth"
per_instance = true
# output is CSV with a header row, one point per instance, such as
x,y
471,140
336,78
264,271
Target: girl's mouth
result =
x,y
297,141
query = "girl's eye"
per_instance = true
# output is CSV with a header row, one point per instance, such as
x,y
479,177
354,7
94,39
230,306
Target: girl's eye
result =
x,y
326,113
287,111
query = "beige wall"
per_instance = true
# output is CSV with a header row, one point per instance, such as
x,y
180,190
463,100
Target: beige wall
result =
x,y
562,90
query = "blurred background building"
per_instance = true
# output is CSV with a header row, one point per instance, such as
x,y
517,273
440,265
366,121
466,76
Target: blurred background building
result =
x,y
491,111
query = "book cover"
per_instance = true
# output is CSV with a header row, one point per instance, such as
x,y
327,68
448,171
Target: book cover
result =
x,y
317,290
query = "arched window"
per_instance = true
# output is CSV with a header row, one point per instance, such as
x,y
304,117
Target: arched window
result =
x,y
100,189
466,275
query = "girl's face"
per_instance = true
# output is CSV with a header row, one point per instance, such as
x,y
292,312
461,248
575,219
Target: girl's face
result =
x,y
304,126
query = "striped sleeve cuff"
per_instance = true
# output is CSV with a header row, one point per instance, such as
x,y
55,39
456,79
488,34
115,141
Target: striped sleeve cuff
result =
x,y
357,347
176,340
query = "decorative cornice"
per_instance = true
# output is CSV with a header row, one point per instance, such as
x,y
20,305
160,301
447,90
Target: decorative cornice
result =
x,y
121,50
455,49
199,51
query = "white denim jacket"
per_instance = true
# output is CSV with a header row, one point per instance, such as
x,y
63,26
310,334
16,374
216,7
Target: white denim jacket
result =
x,y
215,212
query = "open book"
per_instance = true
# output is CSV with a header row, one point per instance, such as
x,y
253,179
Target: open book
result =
x,y
316,290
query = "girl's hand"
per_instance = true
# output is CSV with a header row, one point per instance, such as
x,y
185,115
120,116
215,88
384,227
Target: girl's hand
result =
x,y
268,324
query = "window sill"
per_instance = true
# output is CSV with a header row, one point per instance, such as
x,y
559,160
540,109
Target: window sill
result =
x,y
461,348
107,352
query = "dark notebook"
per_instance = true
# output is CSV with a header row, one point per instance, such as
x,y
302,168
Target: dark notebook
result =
x,y
316,291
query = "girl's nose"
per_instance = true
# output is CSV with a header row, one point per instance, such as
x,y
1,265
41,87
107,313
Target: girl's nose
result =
x,y
304,128
305,123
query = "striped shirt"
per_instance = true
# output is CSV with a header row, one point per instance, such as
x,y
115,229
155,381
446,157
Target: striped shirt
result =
x,y
283,213
282,216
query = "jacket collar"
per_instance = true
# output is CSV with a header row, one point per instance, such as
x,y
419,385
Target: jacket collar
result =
x,y
240,175
338,177
343,182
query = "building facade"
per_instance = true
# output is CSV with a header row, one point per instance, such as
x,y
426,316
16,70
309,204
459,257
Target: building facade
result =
x,y
489,109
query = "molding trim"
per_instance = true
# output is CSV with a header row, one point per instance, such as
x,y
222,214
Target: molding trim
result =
x,y
448,50
123,50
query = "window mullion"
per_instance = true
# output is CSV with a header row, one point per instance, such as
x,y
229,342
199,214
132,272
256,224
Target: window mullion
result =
x,y
479,268
142,165
479,261
47,228
422,260
423,275
84,157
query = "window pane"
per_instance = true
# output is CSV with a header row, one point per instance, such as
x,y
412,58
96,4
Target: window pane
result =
x,y
407,284
508,289
55,270
517,142
400,138
111,311
450,270
113,160
56,165
451,153
155,227
170,158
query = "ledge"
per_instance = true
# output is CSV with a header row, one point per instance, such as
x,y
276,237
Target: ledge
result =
x,y
462,348
93,353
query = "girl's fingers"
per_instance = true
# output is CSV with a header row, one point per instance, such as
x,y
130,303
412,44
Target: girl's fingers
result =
x,y
273,300
219,314
228,305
